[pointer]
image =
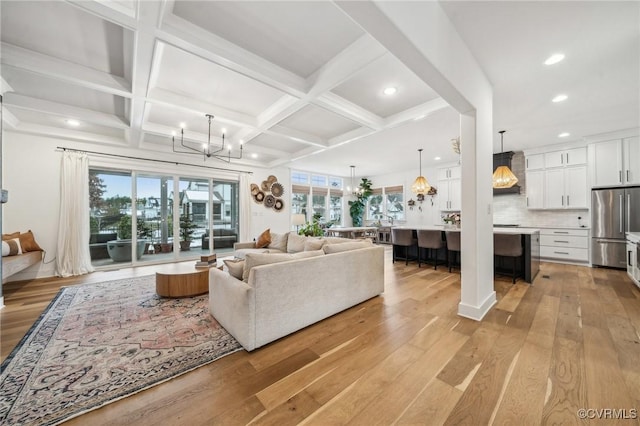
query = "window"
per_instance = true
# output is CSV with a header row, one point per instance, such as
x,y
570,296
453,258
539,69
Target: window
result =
x,y
320,206
322,191
299,197
375,205
299,178
317,180
394,202
335,182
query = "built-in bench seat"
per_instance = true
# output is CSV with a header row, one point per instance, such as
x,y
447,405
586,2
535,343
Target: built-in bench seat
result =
x,y
98,245
14,264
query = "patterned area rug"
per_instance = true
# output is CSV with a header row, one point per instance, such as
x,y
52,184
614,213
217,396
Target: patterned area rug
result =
x,y
98,343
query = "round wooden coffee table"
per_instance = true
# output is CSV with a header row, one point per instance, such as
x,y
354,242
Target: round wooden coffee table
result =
x,y
182,280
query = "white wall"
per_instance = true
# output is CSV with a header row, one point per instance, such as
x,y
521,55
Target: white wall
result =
x,y
31,172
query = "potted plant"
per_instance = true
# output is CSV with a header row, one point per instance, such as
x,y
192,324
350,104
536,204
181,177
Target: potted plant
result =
x,y
120,249
356,207
313,228
187,227
451,220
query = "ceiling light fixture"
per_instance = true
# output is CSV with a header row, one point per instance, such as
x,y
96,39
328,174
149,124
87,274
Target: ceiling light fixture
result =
x,y
564,135
72,122
503,177
420,185
207,150
437,158
559,98
390,91
355,191
554,59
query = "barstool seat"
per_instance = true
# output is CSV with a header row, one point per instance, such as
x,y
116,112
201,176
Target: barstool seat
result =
x,y
402,238
507,245
430,240
453,247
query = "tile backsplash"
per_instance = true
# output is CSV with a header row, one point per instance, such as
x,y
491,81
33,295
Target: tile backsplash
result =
x,y
512,208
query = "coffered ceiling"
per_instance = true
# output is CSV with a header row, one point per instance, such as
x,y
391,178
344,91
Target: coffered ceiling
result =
x,y
301,83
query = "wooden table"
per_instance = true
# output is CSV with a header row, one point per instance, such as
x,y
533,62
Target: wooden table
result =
x,y
182,280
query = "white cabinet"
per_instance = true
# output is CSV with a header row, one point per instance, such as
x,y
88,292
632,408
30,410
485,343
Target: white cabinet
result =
x,y
557,179
568,157
631,259
631,164
449,188
535,189
534,162
615,162
565,245
566,188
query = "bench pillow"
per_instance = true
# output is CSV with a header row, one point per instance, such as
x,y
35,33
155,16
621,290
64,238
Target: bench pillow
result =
x,y
28,242
11,247
235,267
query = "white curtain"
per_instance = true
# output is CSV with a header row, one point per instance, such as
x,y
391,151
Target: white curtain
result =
x,y
73,256
245,208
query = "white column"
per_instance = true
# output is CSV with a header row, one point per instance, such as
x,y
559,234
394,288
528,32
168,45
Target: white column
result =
x,y
423,38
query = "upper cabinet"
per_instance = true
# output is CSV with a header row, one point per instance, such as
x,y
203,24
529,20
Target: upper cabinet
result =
x,y
615,162
569,157
557,179
449,188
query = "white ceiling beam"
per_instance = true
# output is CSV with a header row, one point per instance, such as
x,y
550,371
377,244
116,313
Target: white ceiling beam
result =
x,y
416,113
193,39
144,43
69,134
63,110
79,75
347,109
109,10
350,136
297,135
222,114
4,86
344,65
10,119
303,153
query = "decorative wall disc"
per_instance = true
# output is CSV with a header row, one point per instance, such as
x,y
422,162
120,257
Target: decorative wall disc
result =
x,y
269,201
279,205
254,189
272,179
259,197
277,189
265,186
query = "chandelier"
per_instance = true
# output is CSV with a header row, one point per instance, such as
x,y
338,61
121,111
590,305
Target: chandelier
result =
x,y
420,186
208,150
503,177
355,190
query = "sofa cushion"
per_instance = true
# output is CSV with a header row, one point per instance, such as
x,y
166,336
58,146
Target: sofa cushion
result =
x,y
242,253
337,248
258,259
279,242
336,240
295,243
314,244
264,239
236,267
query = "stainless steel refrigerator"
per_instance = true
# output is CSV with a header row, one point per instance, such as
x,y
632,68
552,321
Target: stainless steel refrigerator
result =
x,y
613,213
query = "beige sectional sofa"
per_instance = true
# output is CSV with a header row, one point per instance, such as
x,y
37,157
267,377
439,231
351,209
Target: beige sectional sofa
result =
x,y
297,290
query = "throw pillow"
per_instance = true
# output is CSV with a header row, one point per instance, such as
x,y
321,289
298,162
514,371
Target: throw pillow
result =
x,y
257,259
295,243
236,267
10,236
313,244
337,248
11,247
279,242
264,239
28,242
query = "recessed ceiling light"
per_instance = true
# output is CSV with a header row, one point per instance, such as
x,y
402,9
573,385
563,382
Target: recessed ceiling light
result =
x,y
436,158
224,130
390,91
183,125
564,135
559,98
554,59
254,155
73,123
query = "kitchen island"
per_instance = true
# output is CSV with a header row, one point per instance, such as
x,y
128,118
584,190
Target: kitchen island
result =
x,y
530,237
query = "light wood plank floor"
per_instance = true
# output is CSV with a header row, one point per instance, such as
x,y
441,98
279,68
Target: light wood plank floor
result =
x,y
570,341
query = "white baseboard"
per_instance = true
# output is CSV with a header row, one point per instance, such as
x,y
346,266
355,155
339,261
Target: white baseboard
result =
x,y
477,312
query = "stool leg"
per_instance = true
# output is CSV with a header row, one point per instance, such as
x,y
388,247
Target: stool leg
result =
x,y
514,270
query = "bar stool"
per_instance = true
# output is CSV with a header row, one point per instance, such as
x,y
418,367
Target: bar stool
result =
x,y
402,238
508,245
453,245
430,240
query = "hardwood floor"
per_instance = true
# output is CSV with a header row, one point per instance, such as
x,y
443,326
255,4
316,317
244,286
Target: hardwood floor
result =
x,y
569,341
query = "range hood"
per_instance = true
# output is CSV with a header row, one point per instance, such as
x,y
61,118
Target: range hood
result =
x,y
504,159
